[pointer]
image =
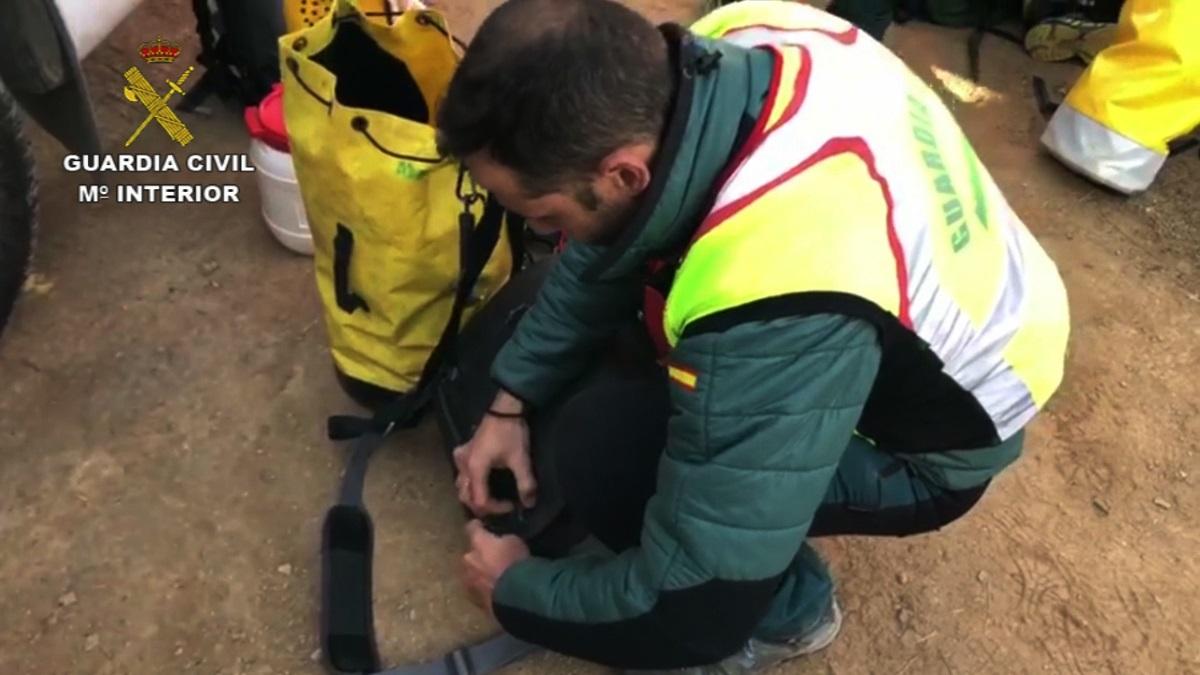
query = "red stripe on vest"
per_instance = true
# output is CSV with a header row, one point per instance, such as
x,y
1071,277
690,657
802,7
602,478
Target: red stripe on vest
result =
x,y
760,131
834,147
798,96
846,37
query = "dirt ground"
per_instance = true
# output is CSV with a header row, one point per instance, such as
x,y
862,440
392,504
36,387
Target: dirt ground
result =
x,y
163,470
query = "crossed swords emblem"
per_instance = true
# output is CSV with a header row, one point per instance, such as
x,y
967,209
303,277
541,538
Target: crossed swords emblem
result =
x,y
140,89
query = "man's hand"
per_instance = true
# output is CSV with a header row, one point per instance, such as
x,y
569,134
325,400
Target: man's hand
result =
x,y
486,561
498,443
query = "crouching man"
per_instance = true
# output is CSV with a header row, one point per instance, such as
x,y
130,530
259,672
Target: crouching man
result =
x,y
857,326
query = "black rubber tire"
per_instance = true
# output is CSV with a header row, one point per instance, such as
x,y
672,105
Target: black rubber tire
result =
x,y
18,205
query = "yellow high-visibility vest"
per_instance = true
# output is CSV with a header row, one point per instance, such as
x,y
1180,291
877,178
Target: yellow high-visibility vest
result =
x,y
858,193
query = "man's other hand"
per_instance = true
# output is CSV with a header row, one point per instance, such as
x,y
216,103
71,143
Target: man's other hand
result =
x,y
486,561
499,443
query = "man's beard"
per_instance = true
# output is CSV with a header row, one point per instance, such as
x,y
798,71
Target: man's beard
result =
x,y
611,219
610,226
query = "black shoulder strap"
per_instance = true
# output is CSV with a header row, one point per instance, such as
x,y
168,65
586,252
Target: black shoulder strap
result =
x,y
985,24
347,619
514,225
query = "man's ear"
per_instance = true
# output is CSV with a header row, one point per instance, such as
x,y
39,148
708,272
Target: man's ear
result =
x,y
626,171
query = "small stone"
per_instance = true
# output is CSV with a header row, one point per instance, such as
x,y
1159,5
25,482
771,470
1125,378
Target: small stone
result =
x,y
412,614
68,599
91,642
213,283
1162,503
904,616
1183,475
209,266
179,651
1124,384
902,578
315,657
1101,505
285,569
982,577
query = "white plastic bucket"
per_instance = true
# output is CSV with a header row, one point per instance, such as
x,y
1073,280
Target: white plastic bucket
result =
x,y
282,207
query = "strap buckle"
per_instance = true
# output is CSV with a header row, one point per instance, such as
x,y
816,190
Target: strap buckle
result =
x,y
471,199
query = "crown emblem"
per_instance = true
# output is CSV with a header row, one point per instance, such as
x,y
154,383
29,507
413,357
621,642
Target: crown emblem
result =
x,y
159,51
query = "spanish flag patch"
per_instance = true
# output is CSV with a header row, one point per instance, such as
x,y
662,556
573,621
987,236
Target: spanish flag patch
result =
x,y
684,377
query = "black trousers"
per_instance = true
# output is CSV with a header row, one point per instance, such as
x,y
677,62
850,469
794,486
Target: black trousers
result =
x,y
607,441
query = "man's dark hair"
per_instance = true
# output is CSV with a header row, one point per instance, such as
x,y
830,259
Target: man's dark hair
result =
x,y
551,87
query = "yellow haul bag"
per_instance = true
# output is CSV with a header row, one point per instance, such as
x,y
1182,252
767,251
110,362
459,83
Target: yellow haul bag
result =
x,y
1139,94
360,97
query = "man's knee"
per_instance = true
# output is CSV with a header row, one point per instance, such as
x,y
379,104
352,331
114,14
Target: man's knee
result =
x,y
946,507
933,511
944,486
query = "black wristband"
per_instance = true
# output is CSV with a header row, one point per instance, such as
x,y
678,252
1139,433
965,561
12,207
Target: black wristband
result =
x,y
505,415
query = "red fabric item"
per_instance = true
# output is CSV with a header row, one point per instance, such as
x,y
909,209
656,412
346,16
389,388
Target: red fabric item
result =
x,y
265,120
654,309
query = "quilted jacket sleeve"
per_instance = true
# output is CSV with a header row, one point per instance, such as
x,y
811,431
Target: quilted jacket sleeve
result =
x,y
751,450
554,341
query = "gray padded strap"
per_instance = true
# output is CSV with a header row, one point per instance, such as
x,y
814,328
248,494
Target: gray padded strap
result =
x,y
485,657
